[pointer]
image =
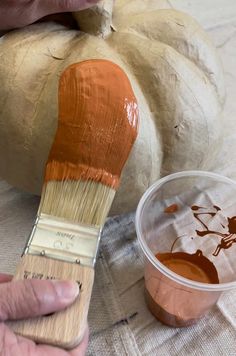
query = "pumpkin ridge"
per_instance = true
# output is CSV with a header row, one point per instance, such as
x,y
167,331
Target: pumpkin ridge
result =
x,y
149,95
49,74
199,65
203,114
14,77
152,27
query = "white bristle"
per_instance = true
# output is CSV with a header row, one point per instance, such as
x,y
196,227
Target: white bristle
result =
x,y
80,201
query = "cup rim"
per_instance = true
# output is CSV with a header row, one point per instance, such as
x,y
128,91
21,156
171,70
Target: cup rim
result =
x,y
147,251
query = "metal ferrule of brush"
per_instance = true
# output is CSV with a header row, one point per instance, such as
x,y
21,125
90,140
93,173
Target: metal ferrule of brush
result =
x,y
62,240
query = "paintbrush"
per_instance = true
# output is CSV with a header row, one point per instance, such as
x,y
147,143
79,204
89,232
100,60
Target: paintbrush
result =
x,y
98,117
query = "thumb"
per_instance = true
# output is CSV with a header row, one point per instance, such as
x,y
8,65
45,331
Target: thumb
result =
x,y
5,277
31,297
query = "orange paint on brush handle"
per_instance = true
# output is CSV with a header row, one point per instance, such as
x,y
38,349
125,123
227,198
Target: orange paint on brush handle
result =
x,y
98,118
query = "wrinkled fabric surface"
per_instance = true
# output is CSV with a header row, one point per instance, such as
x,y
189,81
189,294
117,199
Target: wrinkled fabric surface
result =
x,y
120,323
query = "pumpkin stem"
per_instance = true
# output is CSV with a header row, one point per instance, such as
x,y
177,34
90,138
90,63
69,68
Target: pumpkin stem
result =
x,y
96,20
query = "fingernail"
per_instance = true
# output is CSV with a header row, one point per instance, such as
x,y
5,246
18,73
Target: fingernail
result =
x,y
66,290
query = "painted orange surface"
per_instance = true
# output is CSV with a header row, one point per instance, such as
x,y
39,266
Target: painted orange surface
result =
x,y
98,119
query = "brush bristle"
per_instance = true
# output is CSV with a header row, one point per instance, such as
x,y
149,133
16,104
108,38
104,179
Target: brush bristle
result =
x,y
86,202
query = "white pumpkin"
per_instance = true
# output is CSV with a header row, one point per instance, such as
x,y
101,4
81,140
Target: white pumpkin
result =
x,y
174,71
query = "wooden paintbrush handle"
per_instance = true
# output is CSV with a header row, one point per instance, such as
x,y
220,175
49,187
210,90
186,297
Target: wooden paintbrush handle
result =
x,y
65,328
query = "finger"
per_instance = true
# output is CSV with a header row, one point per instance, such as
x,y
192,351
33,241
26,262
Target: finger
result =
x,y
65,19
81,349
11,345
44,350
30,298
48,7
5,277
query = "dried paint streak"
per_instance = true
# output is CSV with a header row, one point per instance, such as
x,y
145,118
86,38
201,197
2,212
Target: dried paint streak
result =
x,y
98,118
171,209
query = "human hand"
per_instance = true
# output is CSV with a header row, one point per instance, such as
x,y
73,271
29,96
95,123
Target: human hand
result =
x,y
29,298
19,13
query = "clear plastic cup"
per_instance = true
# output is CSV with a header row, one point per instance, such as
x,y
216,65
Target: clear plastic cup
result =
x,y
186,226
